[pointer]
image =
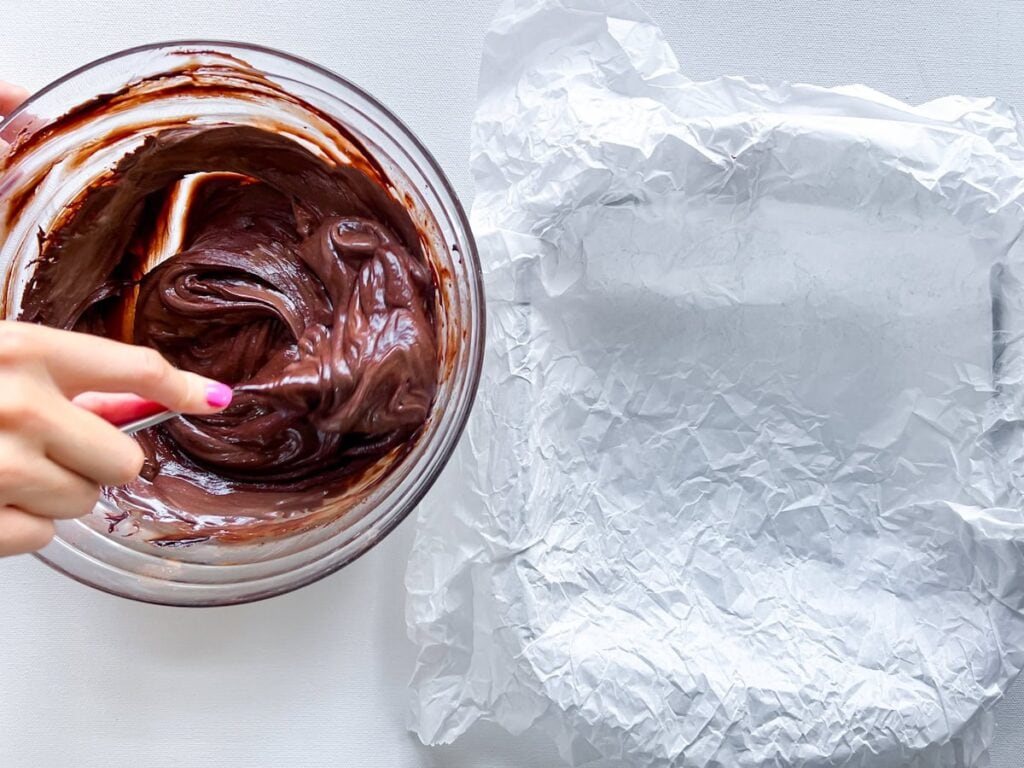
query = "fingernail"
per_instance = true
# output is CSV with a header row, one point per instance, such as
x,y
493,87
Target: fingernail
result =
x,y
218,395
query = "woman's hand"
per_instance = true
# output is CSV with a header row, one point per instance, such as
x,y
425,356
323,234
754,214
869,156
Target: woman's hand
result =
x,y
10,97
55,454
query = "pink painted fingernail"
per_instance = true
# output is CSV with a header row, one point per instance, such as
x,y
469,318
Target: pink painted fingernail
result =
x,y
218,395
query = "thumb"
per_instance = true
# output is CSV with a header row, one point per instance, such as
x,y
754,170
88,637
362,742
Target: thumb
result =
x,y
179,390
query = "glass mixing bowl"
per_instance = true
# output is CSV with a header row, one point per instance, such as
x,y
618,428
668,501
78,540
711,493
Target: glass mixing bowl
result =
x,y
202,82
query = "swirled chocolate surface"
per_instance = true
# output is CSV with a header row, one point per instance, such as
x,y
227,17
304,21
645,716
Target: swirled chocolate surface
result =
x,y
297,281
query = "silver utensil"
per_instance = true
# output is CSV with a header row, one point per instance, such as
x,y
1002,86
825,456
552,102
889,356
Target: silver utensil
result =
x,y
131,427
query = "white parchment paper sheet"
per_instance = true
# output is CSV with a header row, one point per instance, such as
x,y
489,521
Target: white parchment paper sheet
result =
x,y
743,483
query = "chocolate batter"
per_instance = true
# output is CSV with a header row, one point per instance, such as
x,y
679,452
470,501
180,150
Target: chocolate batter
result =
x,y
297,281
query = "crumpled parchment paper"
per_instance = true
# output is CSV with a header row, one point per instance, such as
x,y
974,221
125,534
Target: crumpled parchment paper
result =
x,y
743,484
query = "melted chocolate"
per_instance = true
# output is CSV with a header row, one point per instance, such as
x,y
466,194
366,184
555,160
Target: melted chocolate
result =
x,y
297,281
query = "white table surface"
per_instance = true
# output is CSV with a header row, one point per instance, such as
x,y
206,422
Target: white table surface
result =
x,y
318,677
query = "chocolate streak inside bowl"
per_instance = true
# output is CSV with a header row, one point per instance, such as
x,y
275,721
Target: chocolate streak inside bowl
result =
x,y
244,255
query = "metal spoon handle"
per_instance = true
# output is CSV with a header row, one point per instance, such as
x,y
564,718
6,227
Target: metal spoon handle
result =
x,y
131,427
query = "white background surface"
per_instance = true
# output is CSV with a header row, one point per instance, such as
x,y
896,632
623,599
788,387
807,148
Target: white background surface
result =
x,y
318,677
